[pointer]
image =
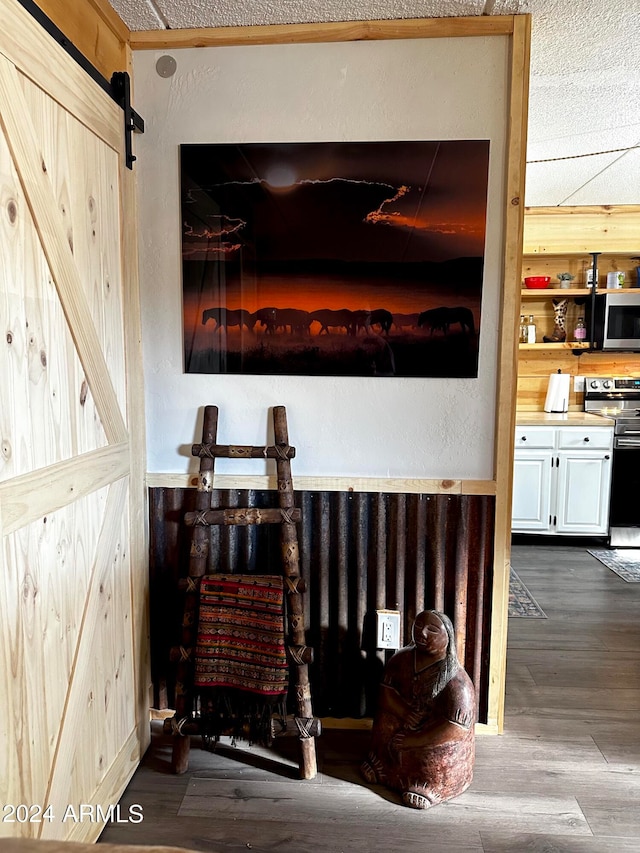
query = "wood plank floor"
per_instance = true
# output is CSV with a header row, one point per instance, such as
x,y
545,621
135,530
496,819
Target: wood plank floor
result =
x,y
564,777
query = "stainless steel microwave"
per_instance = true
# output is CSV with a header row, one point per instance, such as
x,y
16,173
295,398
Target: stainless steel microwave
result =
x,y
616,320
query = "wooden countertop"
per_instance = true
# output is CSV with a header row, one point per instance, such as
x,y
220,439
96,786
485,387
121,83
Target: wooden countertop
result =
x,y
561,419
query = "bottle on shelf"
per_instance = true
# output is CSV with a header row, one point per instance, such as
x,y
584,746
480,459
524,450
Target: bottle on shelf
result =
x,y
580,331
523,330
531,330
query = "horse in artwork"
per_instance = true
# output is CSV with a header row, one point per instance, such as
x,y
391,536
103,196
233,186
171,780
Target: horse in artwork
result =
x,y
224,317
441,319
383,318
463,316
361,320
328,318
365,319
405,321
295,320
267,319
435,319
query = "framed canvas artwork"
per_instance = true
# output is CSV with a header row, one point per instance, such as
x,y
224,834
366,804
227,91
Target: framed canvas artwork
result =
x,y
333,258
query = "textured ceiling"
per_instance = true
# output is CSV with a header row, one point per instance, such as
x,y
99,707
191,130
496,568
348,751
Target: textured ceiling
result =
x,y
585,77
177,14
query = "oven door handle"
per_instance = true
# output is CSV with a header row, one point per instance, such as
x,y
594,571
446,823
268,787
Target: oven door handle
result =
x,y
627,443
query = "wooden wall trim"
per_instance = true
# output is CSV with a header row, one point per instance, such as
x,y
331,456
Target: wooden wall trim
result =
x,y
489,25
508,360
379,485
138,505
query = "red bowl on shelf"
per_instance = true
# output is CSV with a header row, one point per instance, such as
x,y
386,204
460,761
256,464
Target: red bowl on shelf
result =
x,y
537,281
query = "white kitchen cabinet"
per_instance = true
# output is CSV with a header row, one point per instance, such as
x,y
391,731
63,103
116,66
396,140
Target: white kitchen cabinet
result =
x,y
561,480
582,494
531,507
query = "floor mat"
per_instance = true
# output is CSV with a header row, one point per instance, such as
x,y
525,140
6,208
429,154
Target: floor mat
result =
x,y
521,602
625,562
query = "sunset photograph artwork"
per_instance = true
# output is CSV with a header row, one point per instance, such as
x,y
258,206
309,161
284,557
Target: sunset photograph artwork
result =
x,y
333,258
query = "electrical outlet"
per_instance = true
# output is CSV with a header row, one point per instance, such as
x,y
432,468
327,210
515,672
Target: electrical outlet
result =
x,y
388,629
578,383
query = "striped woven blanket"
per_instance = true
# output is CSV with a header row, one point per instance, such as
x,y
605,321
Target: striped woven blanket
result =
x,y
240,641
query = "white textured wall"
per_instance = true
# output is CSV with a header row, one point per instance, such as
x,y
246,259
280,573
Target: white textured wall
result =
x,y
418,89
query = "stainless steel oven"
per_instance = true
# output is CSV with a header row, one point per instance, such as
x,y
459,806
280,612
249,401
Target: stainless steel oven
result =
x,y
619,399
613,318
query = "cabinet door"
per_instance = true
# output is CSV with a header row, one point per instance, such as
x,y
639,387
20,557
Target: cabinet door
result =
x,y
530,509
583,485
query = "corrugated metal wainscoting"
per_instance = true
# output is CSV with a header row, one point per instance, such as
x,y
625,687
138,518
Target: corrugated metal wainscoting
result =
x,y
359,552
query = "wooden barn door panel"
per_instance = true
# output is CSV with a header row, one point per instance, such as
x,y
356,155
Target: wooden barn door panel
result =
x,y
73,639
46,581
40,371
56,239
82,171
98,696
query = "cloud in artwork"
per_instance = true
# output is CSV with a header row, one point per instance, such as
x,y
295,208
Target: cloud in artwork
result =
x,y
225,227
208,251
387,217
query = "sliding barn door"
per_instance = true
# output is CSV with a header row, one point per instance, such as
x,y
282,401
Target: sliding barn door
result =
x,y
73,639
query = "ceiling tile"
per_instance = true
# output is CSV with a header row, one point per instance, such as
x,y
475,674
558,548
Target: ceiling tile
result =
x,y
585,76
138,14
194,13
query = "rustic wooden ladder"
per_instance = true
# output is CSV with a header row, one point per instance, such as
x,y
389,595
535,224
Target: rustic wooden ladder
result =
x,y
183,723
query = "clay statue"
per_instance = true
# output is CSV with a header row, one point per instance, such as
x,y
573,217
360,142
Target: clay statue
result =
x,y
423,741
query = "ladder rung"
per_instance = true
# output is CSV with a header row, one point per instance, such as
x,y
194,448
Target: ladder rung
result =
x,y
249,515
242,451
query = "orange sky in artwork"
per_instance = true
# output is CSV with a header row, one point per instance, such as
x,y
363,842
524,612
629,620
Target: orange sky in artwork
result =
x,y
421,222
282,295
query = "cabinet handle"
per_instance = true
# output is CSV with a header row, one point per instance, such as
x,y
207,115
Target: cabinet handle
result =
x,y
607,457
586,438
523,438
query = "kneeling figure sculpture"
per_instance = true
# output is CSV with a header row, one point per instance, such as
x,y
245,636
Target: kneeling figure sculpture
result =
x,y
423,733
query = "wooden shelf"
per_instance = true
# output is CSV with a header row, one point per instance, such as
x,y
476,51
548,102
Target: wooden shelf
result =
x,y
580,255
541,292
567,345
623,291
